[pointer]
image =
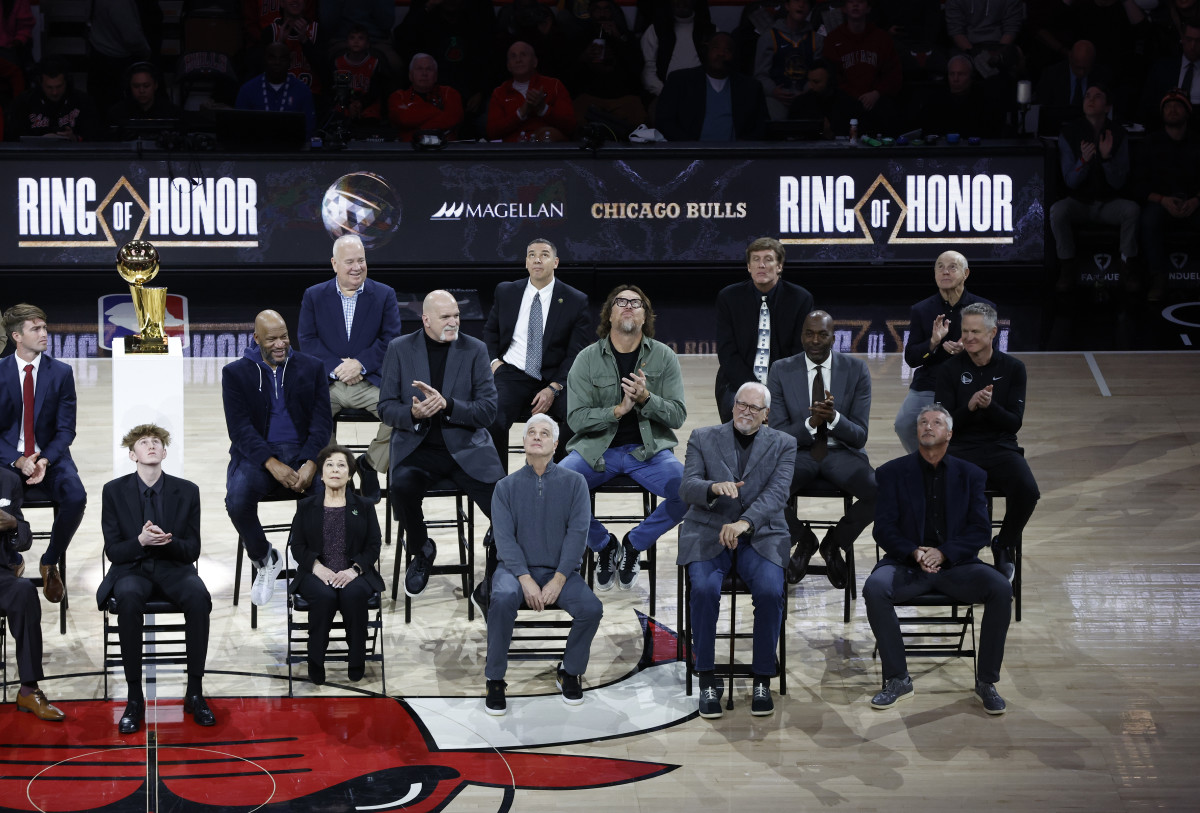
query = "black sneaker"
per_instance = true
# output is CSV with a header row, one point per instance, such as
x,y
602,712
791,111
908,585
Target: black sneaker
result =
x,y
710,697
894,691
606,566
368,481
417,575
1003,560
572,690
630,566
761,703
480,599
495,705
993,703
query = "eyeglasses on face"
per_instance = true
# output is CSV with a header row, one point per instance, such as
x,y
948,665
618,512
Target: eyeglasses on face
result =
x,y
751,408
622,302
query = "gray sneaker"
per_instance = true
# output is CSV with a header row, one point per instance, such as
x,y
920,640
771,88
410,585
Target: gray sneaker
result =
x,y
264,582
606,564
993,703
894,691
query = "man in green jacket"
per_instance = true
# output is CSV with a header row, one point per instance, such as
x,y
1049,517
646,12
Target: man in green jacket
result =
x,y
624,401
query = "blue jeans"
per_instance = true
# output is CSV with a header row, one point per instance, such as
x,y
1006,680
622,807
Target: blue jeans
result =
x,y
765,580
659,475
246,485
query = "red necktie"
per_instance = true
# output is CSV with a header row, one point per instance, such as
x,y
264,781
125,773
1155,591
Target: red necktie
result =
x,y
27,397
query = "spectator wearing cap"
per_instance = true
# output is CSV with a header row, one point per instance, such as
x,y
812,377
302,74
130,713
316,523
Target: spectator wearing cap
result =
x,y
1169,171
1179,70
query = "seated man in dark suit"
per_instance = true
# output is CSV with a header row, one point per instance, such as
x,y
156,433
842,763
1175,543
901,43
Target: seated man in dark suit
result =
x,y
984,390
831,439
1179,70
534,331
151,525
758,322
348,322
37,416
275,433
19,601
439,398
735,481
712,102
931,521
1064,84
540,517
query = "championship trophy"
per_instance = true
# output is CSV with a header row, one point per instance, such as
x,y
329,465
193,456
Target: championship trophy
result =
x,y
137,263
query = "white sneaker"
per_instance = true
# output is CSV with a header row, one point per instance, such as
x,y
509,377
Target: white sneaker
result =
x,y
264,583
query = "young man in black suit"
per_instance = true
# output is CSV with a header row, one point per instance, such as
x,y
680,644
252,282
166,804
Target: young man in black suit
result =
x,y
151,525
534,331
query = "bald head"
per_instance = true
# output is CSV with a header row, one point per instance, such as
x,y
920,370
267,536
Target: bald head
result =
x,y
1082,58
439,315
271,333
817,336
950,273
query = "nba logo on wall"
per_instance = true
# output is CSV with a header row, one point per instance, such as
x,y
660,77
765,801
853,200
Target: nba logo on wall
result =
x,y
117,318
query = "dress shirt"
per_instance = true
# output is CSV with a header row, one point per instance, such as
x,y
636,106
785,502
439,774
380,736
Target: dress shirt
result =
x,y
515,355
349,303
827,374
1194,90
37,365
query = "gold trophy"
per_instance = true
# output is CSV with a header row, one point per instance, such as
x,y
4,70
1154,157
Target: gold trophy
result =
x,y
137,263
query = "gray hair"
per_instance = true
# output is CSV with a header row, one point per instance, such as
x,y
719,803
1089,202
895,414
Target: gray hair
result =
x,y
939,409
981,309
542,417
413,62
754,385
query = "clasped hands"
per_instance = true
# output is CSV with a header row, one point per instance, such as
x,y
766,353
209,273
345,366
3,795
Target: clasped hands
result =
x,y
941,326
981,399
334,578
297,480
822,411
539,598
633,392
152,536
730,531
33,467
349,371
930,559
432,404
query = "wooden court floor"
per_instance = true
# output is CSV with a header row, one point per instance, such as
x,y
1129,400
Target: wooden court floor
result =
x,y
1100,676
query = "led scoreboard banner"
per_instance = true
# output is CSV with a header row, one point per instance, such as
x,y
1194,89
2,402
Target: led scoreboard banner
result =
x,y
620,205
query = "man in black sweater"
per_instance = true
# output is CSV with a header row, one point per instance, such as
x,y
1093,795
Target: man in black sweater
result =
x,y
984,390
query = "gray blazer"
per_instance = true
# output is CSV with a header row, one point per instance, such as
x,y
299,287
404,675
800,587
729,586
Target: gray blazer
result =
x,y
791,400
712,458
468,383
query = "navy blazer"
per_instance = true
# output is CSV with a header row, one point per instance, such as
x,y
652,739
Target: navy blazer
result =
x,y
568,327
900,511
467,382
362,536
53,410
791,400
322,327
737,328
121,522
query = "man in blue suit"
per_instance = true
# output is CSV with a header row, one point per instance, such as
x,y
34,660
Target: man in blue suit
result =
x,y
439,398
931,520
37,426
348,322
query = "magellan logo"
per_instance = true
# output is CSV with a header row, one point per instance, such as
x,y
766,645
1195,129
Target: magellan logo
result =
x,y
530,211
69,212
827,209
669,210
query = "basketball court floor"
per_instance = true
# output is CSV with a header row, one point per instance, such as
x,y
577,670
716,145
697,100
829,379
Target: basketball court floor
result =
x,y
1100,675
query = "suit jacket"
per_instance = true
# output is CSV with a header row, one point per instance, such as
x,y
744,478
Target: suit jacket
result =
x,y
322,328
791,399
121,522
53,410
12,493
900,511
737,328
362,536
684,97
468,383
1056,82
567,330
712,457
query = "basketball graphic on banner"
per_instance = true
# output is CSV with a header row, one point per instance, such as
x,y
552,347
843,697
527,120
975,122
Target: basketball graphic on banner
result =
x,y
361,203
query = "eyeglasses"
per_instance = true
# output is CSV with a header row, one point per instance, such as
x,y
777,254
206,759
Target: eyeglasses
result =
x,y
622,302
751,408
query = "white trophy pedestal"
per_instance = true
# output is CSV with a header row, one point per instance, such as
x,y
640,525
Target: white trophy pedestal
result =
x,y
148,389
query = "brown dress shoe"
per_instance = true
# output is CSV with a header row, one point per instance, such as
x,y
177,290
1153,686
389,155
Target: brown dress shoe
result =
x,y
52,585
18,569
39,705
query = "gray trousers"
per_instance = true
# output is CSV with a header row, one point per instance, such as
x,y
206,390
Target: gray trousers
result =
x,y
576,598
1116,212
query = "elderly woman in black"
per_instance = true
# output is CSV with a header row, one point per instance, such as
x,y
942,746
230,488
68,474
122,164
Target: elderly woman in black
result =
x,y
335,542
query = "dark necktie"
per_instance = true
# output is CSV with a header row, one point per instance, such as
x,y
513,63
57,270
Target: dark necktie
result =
x,y
820,444
150,511
1186,84
1077,93
533,343
27,403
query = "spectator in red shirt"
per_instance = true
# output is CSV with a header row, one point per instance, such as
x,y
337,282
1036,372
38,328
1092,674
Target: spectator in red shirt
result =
x,y
426,105
868,71
529,104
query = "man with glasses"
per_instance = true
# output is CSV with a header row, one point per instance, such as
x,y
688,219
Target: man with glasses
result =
x,y
735,483
823,399
624,401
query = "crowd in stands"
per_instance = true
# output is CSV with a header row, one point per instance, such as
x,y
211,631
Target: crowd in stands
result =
x,y
891,65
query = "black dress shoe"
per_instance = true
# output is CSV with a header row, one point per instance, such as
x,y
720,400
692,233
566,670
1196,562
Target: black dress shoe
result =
x,y
316,673
131,720
197,706
835,563
806,546
355,673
